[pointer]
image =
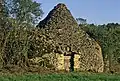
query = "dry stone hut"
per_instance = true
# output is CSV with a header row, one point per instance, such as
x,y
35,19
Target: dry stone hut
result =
x,y
71,46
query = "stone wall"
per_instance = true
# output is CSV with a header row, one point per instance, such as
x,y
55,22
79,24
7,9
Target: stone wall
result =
x,y
77,62
59,62
64,36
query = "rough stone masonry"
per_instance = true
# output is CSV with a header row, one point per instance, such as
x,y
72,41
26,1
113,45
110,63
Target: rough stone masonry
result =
x,y
66,37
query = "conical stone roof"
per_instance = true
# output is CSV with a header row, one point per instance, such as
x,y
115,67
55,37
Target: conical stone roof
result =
x,y
65,36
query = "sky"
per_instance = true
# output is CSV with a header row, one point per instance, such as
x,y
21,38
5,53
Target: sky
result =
x,y
95,11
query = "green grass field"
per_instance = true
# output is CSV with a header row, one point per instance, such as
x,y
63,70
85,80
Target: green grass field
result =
x,y
61,77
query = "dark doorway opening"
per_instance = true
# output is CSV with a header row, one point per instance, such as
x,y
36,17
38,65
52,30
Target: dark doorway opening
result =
x,y
72,62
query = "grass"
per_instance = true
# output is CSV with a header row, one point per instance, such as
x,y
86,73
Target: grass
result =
x,y
61,77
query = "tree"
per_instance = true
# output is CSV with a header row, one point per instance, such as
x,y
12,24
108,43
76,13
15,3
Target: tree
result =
x,y
15,17
24,11
1,6
3,31
1,11
81,21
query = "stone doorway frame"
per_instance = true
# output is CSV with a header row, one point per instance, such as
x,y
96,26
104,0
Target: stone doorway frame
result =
x,y
69,62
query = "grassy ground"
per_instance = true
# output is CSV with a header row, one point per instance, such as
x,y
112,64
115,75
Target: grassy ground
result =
x,y
61,77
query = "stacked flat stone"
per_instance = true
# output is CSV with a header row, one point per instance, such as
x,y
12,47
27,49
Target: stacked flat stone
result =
x,y
65,37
